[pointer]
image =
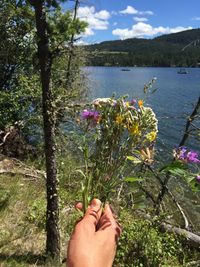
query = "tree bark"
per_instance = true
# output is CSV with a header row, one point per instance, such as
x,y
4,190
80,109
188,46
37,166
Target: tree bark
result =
x,y
45,61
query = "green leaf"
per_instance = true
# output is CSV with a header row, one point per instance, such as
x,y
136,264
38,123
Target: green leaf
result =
x,y
81,172
133,179
134,159
174,165
177,172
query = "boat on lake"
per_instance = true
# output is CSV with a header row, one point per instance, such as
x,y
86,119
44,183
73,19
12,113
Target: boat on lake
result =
x,y
182,71
125,69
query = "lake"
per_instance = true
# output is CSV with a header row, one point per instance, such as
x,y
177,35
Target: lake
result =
x,y
172,102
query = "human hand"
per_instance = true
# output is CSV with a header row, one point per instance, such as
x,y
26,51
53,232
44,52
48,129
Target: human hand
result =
x,y
94,240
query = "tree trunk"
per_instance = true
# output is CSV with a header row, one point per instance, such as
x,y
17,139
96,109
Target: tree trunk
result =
x,y
45,61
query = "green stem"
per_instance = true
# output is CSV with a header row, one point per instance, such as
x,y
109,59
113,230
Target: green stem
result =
x,y
86,192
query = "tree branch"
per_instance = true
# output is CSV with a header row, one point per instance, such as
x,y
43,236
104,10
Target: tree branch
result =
x,y
188,123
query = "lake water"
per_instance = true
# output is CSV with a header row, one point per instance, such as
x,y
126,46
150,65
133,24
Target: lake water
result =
x,y
172,102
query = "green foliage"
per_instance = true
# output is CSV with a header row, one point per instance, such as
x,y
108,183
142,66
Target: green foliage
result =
x,y
37,213
142,244
18,81
4,198
184,171
20,88
61,28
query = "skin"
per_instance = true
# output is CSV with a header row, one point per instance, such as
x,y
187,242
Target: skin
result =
x,y
94,240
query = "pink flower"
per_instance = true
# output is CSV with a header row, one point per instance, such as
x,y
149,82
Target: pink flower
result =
x,y
133,102
188,156
90,115
198,178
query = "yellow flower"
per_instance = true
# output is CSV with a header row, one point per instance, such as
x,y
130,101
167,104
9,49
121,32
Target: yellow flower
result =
x,y
119,119
140,103
151,136
127,104
134,129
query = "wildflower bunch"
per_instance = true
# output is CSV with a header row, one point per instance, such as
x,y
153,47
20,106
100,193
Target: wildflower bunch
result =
x,y
113,129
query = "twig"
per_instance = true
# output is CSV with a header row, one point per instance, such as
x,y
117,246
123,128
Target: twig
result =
x,y
4,138
188,123
161,195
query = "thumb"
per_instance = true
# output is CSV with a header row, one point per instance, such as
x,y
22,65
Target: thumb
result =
x,y
93,214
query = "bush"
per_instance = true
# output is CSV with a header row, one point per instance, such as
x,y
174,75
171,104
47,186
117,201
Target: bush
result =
x,y
141,244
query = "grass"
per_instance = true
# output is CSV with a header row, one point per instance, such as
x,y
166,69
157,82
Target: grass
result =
x,y
22,218
22,225
20,240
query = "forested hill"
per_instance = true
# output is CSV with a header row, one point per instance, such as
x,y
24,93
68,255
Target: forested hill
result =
x,y
176,49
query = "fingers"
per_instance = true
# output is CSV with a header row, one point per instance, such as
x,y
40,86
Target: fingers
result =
x,y
93,214
109,222
79,206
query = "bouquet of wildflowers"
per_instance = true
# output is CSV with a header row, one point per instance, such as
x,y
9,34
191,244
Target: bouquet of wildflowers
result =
x,y
113,129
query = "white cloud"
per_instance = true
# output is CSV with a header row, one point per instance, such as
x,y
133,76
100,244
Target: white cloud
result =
x,y
95,20
142,29
138,19
81,42
130,10
196,18
150,13
103,14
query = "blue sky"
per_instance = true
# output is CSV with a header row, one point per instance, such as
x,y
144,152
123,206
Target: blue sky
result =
x,y
121,19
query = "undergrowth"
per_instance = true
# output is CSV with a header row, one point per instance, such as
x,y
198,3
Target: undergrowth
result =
x,y
22,226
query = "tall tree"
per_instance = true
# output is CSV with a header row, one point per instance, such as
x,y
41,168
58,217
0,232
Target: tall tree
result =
x,y
52,34
45,62
20,82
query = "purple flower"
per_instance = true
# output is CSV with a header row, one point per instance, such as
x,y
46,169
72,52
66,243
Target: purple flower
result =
x,y
192,157
114,103
182,152
133,102
85,114
188,156
198,178
91,115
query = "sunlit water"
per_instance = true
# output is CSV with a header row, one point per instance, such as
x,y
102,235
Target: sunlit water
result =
x,y
172,102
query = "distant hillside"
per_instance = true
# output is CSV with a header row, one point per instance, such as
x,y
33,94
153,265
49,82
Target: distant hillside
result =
x,y
176,49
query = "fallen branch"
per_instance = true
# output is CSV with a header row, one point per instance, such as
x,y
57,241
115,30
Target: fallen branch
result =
x,y
14,167
190,238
